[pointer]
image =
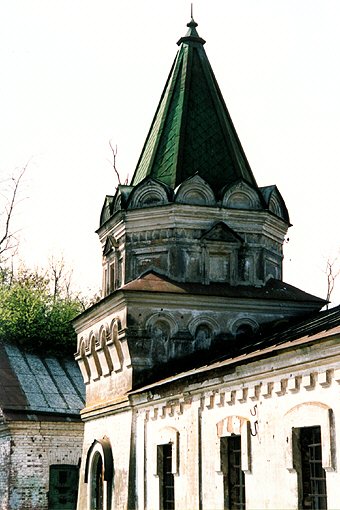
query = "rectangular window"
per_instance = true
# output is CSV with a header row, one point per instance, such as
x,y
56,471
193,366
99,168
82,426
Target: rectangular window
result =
x,y
166,477
105,281
112,273
308,464
233,476
120,272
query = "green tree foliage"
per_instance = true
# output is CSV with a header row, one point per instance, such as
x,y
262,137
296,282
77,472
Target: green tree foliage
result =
x,y
36,315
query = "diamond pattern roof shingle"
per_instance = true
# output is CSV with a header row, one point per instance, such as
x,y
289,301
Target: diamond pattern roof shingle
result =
x,y
192,131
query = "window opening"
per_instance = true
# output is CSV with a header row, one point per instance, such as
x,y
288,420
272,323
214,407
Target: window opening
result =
x,y
166,477
311,475
120,272
105,281
63,487
112,284
233,476
244,331
97,484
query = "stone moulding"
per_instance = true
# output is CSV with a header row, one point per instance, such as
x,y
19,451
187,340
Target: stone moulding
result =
x,y
224,396
309,414
102,353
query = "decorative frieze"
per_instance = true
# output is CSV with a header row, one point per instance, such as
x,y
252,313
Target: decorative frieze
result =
x,y
308,381
293,384
325,378
102,353
219,398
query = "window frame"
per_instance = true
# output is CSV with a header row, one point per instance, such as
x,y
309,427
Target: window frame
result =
x,y
234,495
99,450
307,453
171,437
166,476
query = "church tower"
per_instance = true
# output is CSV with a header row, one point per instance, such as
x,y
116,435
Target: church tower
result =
x,y
192,253
204,218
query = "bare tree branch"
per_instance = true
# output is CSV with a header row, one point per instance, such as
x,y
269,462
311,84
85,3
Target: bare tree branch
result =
x,y
331,274
60,278
8,240
114,153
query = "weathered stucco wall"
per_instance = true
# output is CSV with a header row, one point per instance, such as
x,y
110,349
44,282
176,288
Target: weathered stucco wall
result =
x,y
262,402
119,430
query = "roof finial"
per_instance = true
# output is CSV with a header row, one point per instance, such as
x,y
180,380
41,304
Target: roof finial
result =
x,y
191,36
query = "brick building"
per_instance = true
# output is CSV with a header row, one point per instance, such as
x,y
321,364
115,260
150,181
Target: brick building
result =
x,y
210,383
41,432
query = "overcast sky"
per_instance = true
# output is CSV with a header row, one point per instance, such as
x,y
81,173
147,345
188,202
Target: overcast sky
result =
x,y
78,73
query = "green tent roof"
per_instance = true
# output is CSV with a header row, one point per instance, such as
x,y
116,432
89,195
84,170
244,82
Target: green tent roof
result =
x,y
192,132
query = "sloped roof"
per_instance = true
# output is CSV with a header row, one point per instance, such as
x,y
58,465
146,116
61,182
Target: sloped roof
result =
x,y
192,131
32,384
273,290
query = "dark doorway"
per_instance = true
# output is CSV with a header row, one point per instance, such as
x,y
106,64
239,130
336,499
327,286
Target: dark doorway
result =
x,y
63,487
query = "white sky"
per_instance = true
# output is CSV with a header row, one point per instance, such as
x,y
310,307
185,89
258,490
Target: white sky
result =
x,y
77,73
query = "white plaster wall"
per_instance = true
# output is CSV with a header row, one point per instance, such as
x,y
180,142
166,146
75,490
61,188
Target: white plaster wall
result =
x,y
186,476
283,398
117,427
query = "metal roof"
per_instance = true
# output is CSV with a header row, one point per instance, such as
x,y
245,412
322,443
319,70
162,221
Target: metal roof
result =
x,y
32,384
273,290
192,131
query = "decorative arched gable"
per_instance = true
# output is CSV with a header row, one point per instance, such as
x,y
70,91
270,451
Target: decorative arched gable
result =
x,y
121,197
203,329
114,346
275,202
241,196
161,328
195,191
106,211
204,320
103,352
149,193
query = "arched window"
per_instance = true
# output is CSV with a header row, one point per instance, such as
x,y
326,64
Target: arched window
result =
x,y
99,474
244,331
97,483
243,327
